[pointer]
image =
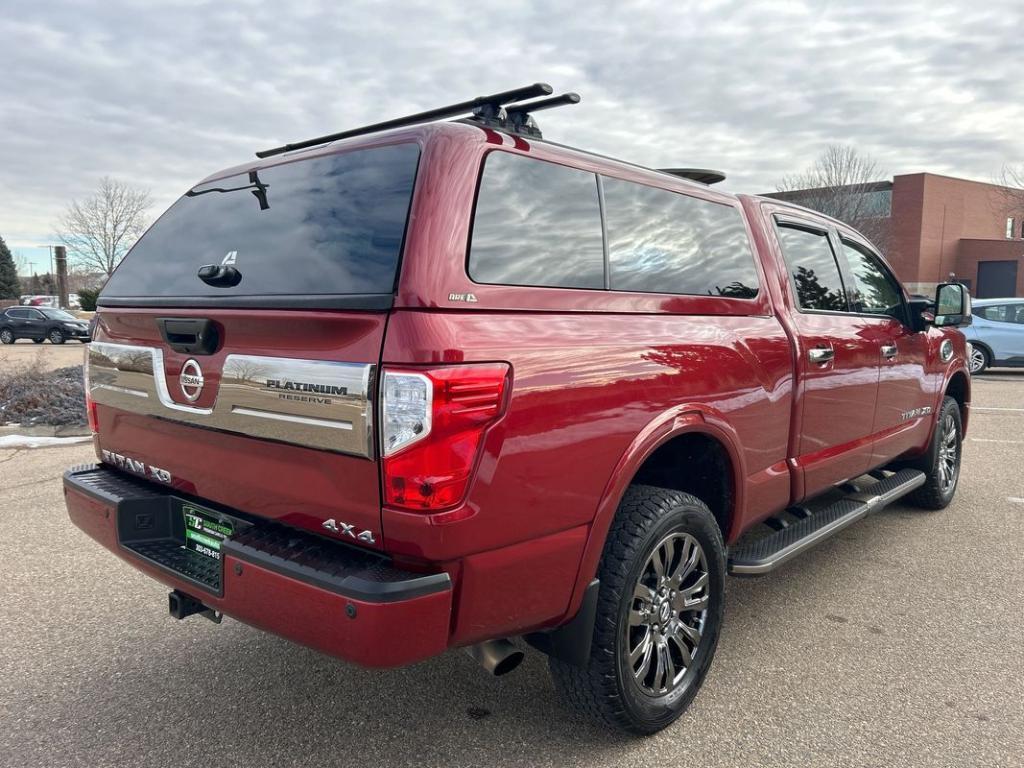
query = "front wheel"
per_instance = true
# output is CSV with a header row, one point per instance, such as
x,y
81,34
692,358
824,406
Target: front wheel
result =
x,y
56,337
979,360
659,613
942,468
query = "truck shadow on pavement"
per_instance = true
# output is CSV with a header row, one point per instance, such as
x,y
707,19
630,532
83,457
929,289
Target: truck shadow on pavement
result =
x,y
192,693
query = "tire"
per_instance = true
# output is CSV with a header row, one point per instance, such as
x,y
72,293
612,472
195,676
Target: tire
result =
x,y
980,360
639,698
56,337
942,462
6,336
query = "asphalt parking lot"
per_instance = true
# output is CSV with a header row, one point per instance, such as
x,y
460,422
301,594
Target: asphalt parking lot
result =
x,y
898,643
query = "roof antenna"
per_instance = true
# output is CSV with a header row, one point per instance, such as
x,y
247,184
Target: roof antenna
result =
x,y
700,175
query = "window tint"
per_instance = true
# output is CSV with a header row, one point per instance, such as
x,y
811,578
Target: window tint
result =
x,y
17,314
875,290
328,225
813,268
536,223
665,242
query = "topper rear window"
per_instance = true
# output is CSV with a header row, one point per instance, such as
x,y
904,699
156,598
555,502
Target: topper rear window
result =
x,y
321,232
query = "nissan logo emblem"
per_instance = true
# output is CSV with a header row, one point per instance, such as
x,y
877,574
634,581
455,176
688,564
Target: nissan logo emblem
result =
x,y
191,380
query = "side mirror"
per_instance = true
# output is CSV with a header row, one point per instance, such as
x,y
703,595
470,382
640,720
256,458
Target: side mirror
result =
x,y
952,306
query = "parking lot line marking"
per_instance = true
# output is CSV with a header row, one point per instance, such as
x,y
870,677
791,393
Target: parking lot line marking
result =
x,y
1015,500
980,408
993,440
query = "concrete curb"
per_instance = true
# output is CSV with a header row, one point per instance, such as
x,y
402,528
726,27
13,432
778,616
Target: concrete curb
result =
x,y
45,430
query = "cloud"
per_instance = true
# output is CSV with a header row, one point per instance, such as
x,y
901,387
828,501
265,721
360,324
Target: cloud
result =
x,y
160,96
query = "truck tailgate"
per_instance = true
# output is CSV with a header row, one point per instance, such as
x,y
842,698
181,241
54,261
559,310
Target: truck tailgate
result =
x,y
277,422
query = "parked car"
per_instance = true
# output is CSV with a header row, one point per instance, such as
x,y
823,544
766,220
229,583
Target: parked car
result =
x,y
40,324
43,301
451,384
997,334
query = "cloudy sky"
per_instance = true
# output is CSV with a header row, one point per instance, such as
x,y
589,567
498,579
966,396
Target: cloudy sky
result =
x,y
158,94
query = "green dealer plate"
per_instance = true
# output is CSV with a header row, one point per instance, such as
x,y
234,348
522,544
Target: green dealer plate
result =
x,y
205,530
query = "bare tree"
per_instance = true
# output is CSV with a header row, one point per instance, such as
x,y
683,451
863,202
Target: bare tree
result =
x,y
21,263
1011,179
843,184
99,230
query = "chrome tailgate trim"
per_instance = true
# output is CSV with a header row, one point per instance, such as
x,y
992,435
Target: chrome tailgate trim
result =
x,y
313,403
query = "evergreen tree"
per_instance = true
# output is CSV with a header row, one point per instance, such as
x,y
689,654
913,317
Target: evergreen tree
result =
x,y
9,286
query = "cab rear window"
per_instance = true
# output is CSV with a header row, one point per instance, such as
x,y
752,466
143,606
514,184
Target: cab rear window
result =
x,y
296,233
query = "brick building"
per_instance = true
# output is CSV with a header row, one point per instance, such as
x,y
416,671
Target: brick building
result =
x,y
934,226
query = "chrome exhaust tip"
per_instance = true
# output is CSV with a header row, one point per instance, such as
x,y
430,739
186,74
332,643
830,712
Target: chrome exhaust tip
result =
x,y
499,657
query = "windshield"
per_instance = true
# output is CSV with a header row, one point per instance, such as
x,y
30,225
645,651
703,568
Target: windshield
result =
x,y
328,226
58,314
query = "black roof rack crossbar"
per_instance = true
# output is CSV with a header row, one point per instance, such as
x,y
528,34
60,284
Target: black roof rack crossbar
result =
x,y
536,106
481,104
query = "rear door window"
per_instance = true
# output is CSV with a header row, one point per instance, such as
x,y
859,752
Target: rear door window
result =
x,y
536,223
813,269
330,225
666,242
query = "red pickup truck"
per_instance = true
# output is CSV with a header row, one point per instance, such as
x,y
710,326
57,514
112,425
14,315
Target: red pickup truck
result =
x,y
436,384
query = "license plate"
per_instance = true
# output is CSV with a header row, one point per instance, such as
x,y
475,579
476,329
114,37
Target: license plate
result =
x,y
205,530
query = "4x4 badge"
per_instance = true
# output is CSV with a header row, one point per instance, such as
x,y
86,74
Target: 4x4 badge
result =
x,y
191,380
348,530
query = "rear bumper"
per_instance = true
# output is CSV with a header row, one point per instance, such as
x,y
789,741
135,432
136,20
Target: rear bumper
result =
x,y
338,599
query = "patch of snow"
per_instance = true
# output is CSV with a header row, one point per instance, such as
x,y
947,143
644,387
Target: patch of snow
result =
x,y
26,441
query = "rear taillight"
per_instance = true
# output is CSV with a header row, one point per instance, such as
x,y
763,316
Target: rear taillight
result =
x,y
432,422
90,406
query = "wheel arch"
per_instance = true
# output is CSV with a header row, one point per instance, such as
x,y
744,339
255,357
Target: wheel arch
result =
x,y
684,431
958,386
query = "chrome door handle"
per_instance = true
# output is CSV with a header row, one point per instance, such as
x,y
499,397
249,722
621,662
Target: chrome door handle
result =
x,y
888,351
821,354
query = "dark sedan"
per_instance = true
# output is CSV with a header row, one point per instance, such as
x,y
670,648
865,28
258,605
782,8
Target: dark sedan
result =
x,y
40,324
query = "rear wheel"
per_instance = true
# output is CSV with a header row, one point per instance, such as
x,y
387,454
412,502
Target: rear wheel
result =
x,y
979,359
56,337
943,468
6,336
659,613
